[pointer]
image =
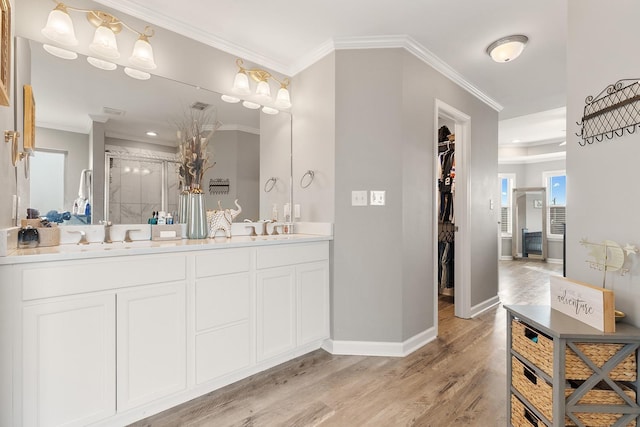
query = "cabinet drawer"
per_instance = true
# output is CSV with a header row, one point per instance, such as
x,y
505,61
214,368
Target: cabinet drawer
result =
x,y
282,255
521,416
223,262
221,300
535,389
90,276
538,349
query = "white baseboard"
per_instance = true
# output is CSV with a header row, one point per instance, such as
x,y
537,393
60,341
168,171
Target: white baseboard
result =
x,y
506,258
554,260
375,348
484,306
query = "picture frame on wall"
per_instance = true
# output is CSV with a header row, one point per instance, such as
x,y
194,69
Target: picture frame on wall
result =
x,y
5,51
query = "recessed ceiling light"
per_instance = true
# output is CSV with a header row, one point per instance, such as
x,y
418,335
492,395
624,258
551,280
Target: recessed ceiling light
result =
x,y
152,133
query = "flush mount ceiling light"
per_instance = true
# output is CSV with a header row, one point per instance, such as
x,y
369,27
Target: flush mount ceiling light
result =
x,y
507,48
263,89
104,46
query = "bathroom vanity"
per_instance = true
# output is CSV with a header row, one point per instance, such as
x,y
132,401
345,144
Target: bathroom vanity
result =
x,y
106,334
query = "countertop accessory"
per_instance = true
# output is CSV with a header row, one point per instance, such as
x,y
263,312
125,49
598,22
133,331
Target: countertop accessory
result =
x,y
221,219
28,237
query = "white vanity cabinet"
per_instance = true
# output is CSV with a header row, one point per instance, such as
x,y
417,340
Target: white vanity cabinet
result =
x,y
293,297
109,339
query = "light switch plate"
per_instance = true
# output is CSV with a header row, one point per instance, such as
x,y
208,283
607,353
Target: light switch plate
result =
x,y
359,198
377,197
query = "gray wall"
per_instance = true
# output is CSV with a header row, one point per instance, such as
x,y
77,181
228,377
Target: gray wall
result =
x,y
602,178
314,134
383,261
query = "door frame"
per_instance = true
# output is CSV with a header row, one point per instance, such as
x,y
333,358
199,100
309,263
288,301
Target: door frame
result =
x,y
462,270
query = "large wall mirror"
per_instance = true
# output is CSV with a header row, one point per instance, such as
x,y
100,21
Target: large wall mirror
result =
x,y
529,223
91,130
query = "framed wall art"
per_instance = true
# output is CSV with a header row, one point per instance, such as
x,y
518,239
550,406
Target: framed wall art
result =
x,y
5,51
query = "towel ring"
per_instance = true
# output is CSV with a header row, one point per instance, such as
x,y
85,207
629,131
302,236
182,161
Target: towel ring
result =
x,y
311,174
271,182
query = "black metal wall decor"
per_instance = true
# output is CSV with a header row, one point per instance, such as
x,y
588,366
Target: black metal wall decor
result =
x,y
219,186
615,110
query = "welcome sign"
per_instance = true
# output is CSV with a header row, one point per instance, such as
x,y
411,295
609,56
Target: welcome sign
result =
x,y
586,303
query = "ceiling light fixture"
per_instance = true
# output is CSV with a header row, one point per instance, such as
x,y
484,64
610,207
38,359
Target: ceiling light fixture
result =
x,y
263,90
507,48
59,29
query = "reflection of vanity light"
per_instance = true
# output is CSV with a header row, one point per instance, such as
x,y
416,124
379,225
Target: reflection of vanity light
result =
x,y
251,105
137,74
146,171
59,52
136,170
99,63
126,169
269,110
152,133
230,99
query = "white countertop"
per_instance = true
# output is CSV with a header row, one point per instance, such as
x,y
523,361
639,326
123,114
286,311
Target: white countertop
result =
x,y
145,247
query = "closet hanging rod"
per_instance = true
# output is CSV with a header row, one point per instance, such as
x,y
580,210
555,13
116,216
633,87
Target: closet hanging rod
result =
x,y
444,144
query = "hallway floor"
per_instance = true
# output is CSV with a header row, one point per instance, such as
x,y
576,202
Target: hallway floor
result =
x,y
456,380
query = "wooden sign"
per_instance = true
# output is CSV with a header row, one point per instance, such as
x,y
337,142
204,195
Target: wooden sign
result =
x,y
586,303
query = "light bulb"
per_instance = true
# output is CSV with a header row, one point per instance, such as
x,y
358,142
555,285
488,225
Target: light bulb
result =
x,y
263,90
282,99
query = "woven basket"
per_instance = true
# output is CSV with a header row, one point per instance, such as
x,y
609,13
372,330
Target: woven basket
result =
x,y
533,345
599,353
521,416
538,349
533,388
601,396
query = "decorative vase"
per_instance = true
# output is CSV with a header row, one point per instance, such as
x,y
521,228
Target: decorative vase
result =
x,y
183,205
196,215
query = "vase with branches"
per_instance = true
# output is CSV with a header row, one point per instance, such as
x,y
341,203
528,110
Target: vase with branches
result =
x,y
195,131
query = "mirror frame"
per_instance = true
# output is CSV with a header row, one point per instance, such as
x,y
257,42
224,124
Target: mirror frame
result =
x,y
515,226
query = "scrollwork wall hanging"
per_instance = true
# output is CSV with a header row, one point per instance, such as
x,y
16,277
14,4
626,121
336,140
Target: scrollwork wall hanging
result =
x,y
613,111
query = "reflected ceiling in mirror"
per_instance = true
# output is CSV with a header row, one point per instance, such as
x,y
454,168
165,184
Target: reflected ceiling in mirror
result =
x,y
70,94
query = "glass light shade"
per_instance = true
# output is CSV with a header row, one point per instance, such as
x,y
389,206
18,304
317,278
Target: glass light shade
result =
x,y
241,83
137,74
59,28
104,43
251,105
59,52
230,99
142,56
283,99
102,64
263,90
508,48
269,110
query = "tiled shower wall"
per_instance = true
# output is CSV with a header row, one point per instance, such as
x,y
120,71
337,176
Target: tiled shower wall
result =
x,y
135,189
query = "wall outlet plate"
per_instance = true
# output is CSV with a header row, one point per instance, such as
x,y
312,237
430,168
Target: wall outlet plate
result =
x,y
359,198
377,197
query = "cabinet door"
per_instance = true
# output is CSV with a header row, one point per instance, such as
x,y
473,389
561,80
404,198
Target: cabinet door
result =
x,y
69,361
312,282
151,343
276,311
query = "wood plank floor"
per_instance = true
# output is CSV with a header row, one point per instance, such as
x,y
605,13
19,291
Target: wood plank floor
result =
x,y
457,380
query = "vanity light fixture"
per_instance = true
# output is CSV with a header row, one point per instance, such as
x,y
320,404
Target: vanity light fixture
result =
x,y
104,45
507,48
269,110
263,89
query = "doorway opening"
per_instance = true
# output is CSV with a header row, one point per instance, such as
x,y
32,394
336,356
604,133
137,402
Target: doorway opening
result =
x,y
450,211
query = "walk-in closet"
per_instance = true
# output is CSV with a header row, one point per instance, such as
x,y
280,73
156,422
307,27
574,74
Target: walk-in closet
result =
x,y
446,212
